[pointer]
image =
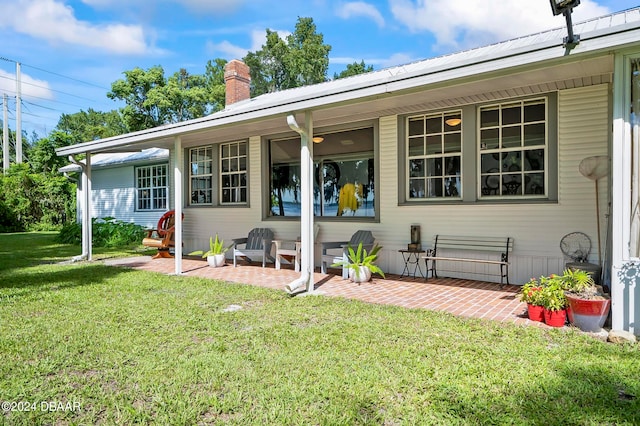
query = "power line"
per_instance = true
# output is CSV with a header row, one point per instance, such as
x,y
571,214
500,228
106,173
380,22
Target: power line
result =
x,y
55,73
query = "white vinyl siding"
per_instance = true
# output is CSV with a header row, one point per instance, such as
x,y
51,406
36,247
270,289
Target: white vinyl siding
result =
x,y
114,195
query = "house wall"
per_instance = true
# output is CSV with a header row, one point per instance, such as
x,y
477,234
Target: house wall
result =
x,y
113,194
537,228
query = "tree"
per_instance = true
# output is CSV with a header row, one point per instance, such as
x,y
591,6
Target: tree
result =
x,y
214,82
309,57
89,125
301,59
139,113
183,97
43,157
267,66
353,69
153,100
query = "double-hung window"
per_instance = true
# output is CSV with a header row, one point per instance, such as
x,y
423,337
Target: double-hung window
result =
x,y
201,182
151,187
434,146
233,172
223,166
512,142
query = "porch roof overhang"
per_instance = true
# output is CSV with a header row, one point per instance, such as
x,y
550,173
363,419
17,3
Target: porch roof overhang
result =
x,y
531,64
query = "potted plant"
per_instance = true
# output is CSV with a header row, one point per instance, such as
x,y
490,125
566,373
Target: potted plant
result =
x,y
554,301
531,294
360,263
588,306
215,254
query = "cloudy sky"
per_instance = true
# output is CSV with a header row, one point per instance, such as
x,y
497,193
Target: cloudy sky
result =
x,y
71,51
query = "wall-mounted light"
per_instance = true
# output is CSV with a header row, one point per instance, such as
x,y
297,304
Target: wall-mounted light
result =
x,y
453,122
317,139
565,7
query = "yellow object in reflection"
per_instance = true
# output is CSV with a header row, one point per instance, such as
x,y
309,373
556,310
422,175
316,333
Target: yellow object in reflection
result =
x,y
349,198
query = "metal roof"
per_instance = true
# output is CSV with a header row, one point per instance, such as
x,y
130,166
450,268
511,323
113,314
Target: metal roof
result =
x,y
596,35
120,158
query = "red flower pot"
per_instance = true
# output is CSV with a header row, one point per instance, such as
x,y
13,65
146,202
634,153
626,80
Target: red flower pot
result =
x,y
535,312
588,315
555,318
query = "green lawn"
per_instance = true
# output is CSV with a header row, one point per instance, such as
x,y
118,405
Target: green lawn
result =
x,y
122,347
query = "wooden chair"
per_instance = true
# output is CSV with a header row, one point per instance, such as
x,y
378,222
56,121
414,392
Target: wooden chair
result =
x,y
162,237
289,251
257,243
364,237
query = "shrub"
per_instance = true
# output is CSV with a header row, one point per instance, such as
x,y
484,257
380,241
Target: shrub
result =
x,y
106,232
35,201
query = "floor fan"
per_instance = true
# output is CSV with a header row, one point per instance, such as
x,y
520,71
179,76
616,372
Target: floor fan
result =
x,y
594,168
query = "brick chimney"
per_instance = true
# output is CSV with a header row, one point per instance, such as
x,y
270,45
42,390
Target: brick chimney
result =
x,y
237,81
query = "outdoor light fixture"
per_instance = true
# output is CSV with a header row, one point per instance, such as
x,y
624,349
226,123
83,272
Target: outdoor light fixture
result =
x,y
317,139
453,122
565,7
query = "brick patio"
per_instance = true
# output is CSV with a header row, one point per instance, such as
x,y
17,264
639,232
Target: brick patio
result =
x,y
466,298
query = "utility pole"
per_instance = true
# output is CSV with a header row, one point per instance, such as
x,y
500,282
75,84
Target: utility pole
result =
x,y
5,135
18,116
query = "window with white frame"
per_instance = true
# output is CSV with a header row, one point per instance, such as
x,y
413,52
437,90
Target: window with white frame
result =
x,y
512,143
434,147
201,179
151,187
233,173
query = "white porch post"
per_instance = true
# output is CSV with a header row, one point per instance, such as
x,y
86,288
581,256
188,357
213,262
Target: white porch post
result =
x,y
621,192
86,222
306,187
177,204
306,209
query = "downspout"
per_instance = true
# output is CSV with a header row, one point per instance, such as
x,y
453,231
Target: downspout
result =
x,y
305,281
84,202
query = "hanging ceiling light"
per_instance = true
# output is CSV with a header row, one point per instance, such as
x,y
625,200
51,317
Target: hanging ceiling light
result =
x,y
453,122
317,139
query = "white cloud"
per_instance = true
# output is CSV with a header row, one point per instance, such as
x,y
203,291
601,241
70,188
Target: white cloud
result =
x,y
233,51
30,86
201,6
226,50
471,22
56,23
218,6
360,8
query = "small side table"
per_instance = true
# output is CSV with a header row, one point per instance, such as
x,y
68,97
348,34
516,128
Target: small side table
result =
x,y
411,257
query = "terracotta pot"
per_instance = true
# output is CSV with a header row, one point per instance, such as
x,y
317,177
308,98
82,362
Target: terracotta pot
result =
x,y
535,312
364,274
588,315
216,260
555,318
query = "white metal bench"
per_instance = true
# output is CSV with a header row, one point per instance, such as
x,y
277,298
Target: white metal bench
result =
x,y
499,245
